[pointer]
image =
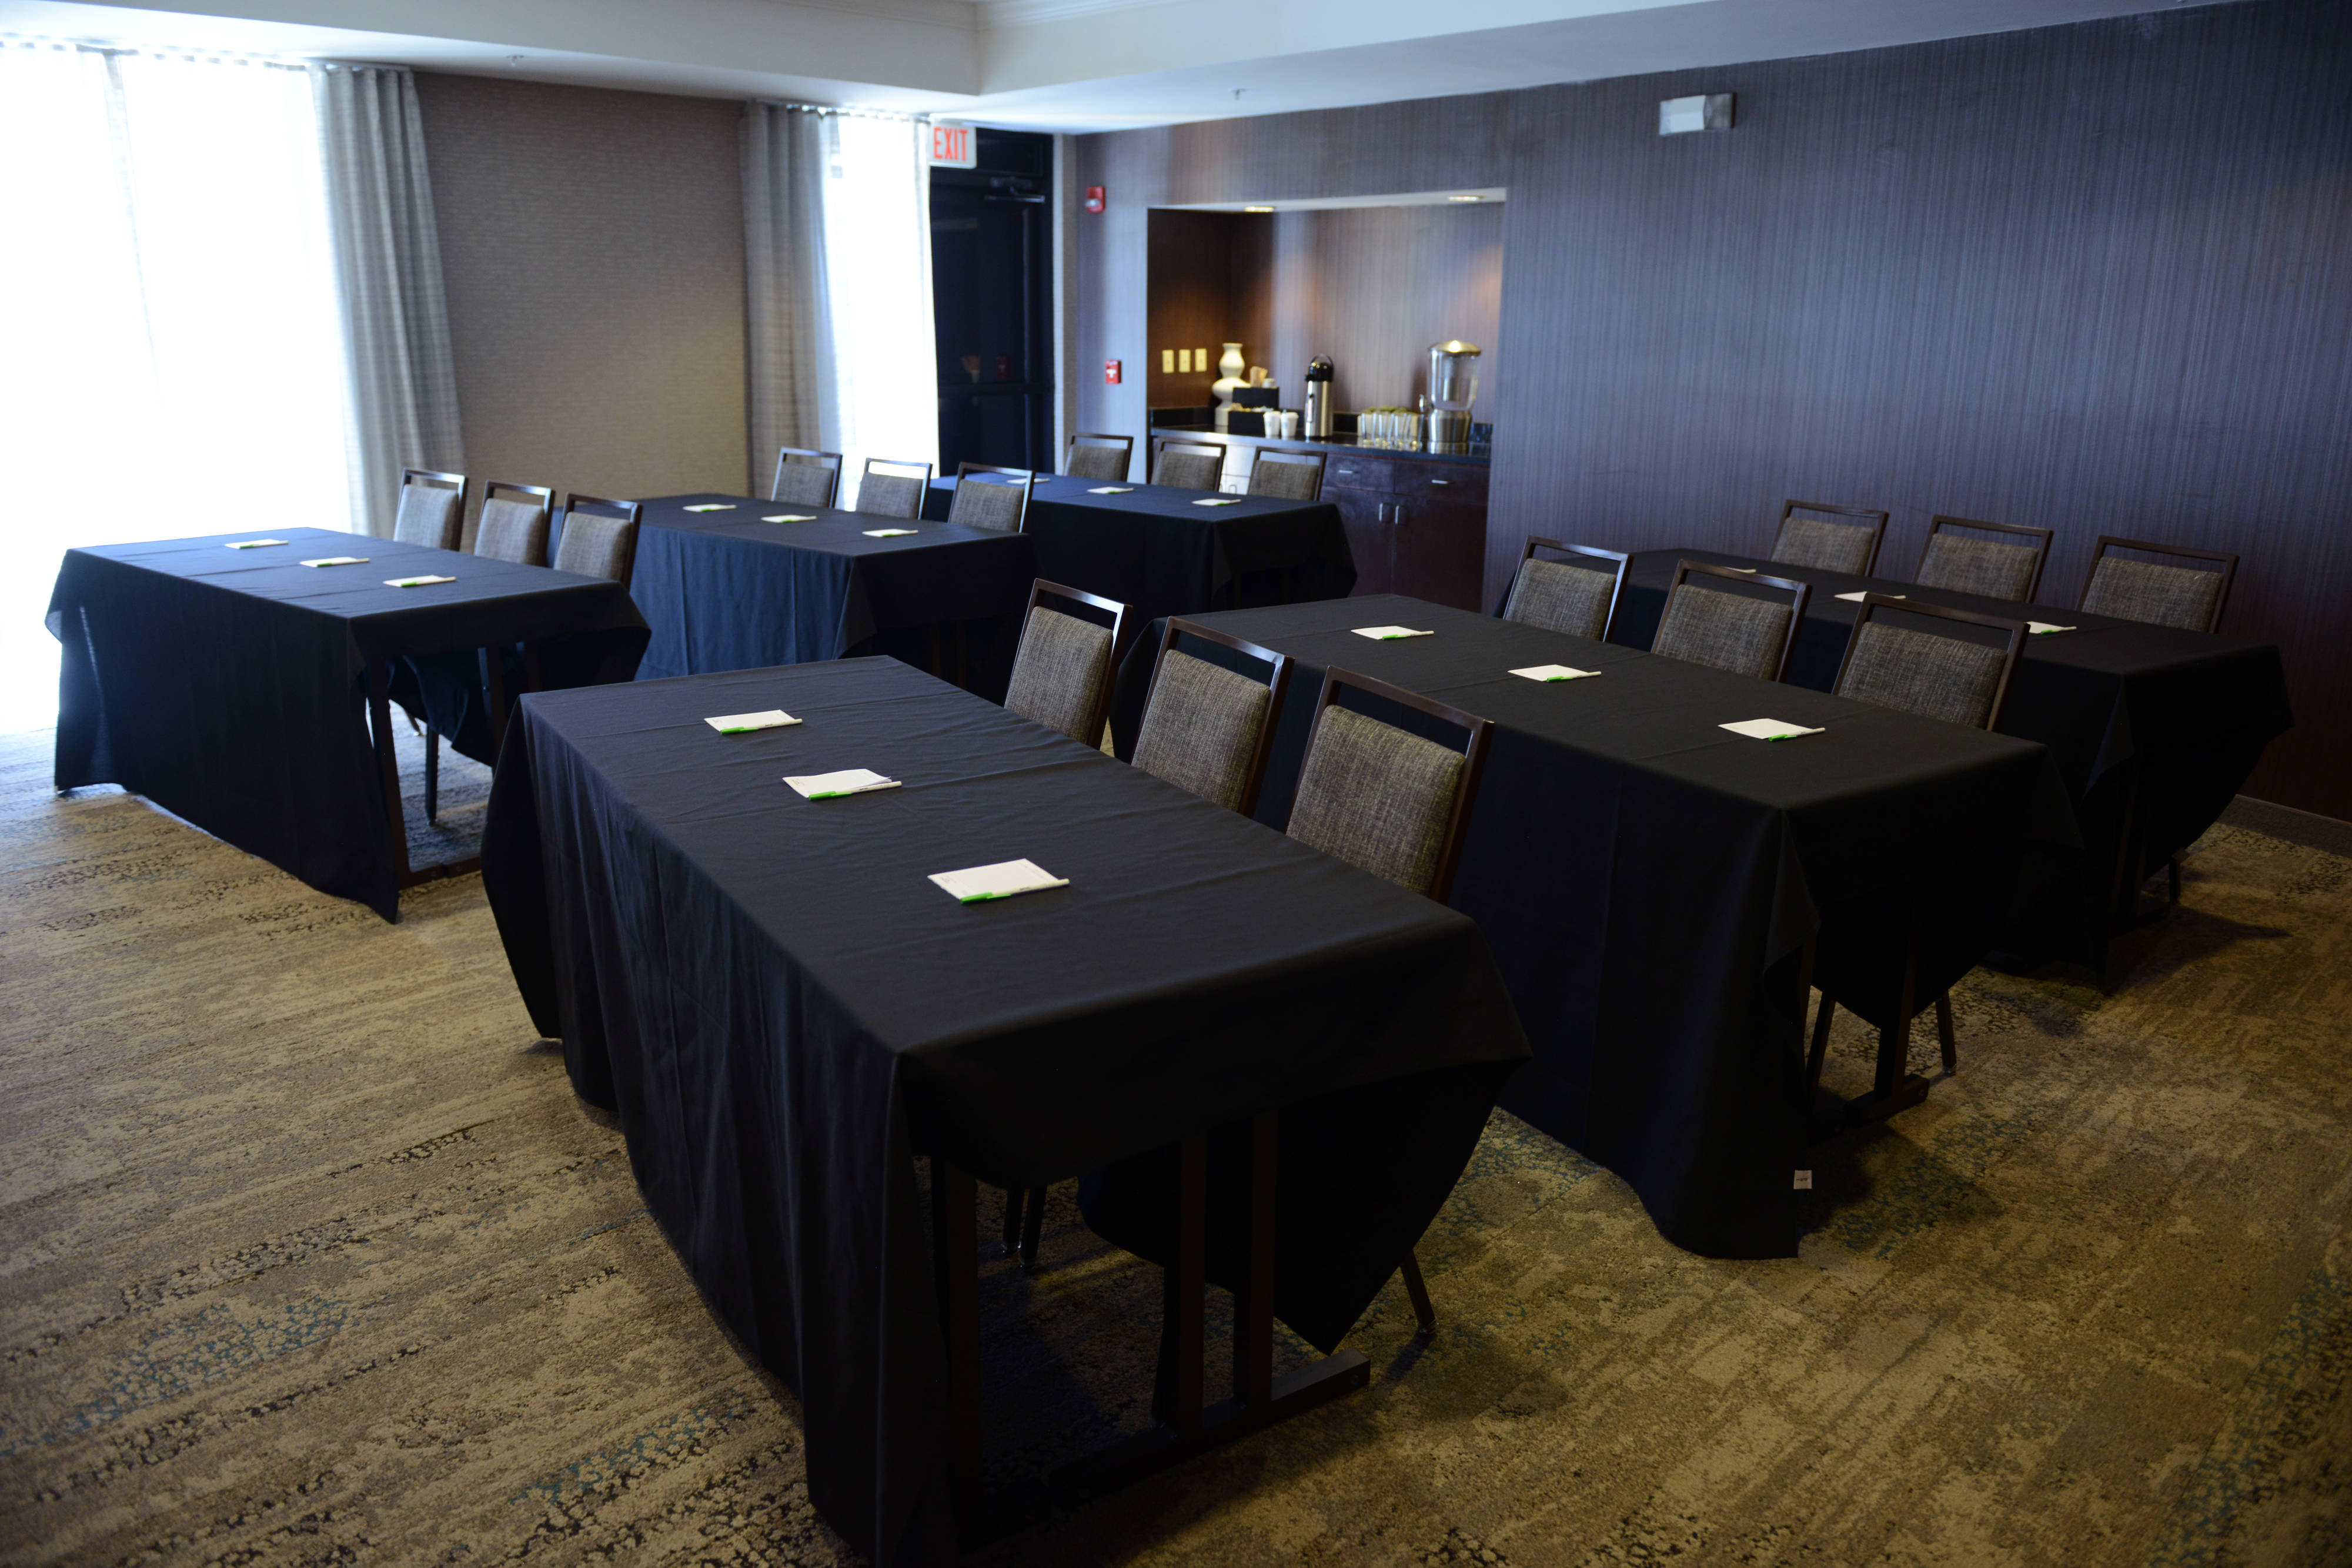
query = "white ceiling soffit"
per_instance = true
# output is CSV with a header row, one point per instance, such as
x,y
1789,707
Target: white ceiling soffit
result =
x,y
1488,196
1063,65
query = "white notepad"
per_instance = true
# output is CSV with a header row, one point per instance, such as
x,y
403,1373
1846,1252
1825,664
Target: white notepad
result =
x,y
843,782
414,581
2038,627
255,544
1110,490
738,723
1219,501
1769,729
1858,594
1389,633
337,560
713,507
1554,673
1002,879
887,533
791,517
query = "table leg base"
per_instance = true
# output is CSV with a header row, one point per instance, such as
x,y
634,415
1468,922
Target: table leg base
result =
x,y
1131,1459
417,876
1910,1090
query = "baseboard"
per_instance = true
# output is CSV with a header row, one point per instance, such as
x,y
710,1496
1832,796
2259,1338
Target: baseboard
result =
x,y
2306,828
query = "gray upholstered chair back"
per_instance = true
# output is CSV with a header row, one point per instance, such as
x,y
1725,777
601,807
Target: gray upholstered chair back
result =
x,y
1825,546
596,546
1188,470
513,530
1376,796
1201,729
1097,460
2175,596
1917,671
1723,631
429,516
805,483
987,504
1285,477
1057,675
892,495
1983,567
1558,596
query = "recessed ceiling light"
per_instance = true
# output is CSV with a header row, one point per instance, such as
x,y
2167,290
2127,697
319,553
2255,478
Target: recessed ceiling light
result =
x,y
1257,209
1465,198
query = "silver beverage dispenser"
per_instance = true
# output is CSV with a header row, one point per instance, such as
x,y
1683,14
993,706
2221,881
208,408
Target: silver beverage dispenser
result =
x,y
1318,399
1452,388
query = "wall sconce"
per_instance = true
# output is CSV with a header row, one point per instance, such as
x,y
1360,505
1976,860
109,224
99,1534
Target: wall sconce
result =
x,y
1710,111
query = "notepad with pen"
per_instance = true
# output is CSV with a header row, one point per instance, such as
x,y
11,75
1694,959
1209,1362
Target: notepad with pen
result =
x,y
1005,879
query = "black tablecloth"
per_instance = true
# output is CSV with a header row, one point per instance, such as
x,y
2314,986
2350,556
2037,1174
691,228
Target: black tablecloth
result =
x,y
1648,880
1155,551
2176,719
784,1010
228,686
723,590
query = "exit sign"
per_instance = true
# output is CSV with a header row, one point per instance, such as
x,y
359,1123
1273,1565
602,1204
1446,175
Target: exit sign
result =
x,y
952,147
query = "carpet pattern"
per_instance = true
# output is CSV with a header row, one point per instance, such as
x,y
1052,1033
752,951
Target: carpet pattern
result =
x,y
308,1255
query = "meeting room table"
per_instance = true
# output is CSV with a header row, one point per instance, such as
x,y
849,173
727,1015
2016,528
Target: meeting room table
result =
x,y
2153,729
238,687
1654,886
728,582
1162,550
789,1015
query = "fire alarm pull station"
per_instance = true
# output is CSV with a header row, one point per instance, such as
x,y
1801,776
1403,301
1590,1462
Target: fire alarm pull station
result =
x,y
1111,372
1094,198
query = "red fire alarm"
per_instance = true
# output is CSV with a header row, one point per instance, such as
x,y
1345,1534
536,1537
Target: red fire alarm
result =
x,y
1111,372
1094,198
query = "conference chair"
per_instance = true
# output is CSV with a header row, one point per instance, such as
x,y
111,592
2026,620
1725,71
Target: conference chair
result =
x,y
1990,568
2187,599
1935,674
998,500
806,478
1566,596
432,509
1287,476
597,545
893,494
1747,636
1096,457
1062,671
1393,804
1184,463
1849,548
514,529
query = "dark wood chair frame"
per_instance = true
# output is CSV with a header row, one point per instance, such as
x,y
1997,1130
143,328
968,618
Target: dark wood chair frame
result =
x,y
1185,444
1877,538
1894,1086
1028,486
1126,445
873,463
433,477
631,512
2042,537
1286,454
1802,592
829,461
545,496
1039,590
2227,559
1617,592
542,494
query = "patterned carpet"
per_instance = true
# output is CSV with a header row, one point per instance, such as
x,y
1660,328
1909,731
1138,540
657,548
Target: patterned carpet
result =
x,y
308,1255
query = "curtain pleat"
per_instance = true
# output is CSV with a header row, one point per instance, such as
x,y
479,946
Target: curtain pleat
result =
x,y
403,377
784,282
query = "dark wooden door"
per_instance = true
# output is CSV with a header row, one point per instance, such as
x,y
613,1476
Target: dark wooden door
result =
x,y
1364,514
1437,550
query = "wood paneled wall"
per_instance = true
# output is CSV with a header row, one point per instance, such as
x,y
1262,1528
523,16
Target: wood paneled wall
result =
x,y
1373,287
2096,278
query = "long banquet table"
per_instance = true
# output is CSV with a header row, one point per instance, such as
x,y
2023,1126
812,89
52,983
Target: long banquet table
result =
x,y
785,1012
1651,883
1156,549
726,590
229,685
2153,730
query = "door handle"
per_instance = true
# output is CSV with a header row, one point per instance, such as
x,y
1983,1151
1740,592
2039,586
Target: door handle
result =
x,y
1397,516
1383,515
1441,481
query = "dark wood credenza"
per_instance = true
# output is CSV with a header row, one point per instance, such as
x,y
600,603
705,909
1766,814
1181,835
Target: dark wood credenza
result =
x,y
1416,525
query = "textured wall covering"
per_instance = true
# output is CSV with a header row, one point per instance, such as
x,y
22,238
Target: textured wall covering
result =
x,y
592,243
2095,277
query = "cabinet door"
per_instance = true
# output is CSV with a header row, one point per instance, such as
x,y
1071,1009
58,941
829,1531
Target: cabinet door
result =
x,y
1438,552
1364,514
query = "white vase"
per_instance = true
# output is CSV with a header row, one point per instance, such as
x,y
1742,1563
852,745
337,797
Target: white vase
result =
x,y
1234,366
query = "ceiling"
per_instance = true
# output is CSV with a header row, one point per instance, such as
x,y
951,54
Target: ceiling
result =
x,y
1057,65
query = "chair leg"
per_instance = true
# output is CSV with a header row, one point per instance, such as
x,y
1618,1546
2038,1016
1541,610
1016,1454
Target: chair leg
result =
x,y
1032,1226
1418,1289
1943,1034
432,774
1820,1048
1011,1233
